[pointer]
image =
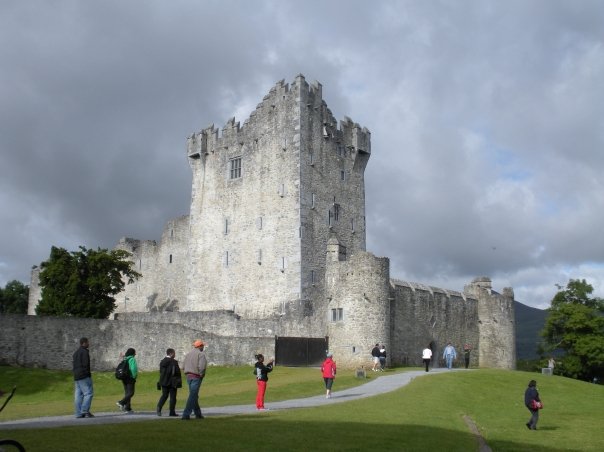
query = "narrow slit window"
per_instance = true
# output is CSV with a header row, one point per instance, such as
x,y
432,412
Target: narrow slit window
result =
x,y
170,258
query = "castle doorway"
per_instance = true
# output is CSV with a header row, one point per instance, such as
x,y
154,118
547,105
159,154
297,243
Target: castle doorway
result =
x,y
300,351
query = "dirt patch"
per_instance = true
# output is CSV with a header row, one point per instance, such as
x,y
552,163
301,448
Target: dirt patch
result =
x,y
482,444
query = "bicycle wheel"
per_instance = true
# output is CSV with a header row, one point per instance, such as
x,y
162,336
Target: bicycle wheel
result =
x,y
10,445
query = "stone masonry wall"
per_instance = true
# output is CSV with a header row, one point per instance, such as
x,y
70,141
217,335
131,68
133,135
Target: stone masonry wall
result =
x,y
245,230
49,342
423,316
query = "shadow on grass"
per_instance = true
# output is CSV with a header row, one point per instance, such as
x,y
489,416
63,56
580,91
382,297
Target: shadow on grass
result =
x,y
262,432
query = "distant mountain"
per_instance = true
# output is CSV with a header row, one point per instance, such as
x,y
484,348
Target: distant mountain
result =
x,y
529,323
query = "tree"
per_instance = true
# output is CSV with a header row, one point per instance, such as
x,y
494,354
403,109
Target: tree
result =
x,y
82,283
14,298
575,325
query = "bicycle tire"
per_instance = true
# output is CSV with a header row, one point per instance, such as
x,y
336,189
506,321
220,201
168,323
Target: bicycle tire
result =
x,y
8,445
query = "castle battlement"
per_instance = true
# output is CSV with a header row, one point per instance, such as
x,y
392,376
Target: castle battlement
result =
x,y
281,96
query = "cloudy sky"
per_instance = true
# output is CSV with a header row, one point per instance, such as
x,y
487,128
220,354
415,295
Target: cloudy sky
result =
x,y
487,122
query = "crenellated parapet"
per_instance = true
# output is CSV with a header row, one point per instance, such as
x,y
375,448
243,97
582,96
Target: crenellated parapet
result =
x,y
282,97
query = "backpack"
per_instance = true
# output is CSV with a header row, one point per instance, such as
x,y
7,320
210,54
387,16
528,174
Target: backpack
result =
x,y
122,371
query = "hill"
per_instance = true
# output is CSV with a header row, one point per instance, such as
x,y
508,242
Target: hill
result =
x,y
529,323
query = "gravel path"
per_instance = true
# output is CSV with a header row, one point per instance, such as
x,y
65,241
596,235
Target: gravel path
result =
x,y
381,385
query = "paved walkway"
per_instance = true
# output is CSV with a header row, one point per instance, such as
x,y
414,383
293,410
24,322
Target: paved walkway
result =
x,y
381,385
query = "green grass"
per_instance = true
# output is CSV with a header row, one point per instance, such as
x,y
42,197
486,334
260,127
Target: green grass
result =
x,y
50,392
425,415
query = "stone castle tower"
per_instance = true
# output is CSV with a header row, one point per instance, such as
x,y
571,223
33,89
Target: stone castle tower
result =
x,y
274,247
265,199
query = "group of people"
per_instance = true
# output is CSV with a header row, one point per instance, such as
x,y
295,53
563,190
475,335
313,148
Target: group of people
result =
x,y
195,365
170,379
449,355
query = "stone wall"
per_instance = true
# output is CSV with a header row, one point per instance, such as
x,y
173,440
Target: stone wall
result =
x,y
423,316
49,342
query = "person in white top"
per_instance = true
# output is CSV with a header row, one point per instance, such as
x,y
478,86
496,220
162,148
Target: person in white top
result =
x,y
427,356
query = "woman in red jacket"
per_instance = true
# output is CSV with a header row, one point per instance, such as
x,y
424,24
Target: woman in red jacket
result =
x,y
328,369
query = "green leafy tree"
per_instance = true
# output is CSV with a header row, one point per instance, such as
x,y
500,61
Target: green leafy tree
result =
x,y
575,325
14,298
83,283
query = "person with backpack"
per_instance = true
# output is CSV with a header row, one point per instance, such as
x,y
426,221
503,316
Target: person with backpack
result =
x,y
328,370
128,371
169,381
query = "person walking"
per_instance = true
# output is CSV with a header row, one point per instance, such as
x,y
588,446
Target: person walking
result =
x,y
382,357
449,355
195,370
531,394
467,348
169,381
261,371
129,382
83,380
328,369
427,356
375,356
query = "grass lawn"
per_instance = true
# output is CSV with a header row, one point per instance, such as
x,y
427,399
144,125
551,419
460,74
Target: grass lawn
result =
x,y
425,415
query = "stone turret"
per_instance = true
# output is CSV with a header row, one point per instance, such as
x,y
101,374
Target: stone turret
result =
x,y
358,293
496,324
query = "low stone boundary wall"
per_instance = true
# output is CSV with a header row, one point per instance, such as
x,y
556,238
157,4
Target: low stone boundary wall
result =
x,y
49,342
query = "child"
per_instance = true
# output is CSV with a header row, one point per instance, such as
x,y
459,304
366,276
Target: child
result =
x,y
261,371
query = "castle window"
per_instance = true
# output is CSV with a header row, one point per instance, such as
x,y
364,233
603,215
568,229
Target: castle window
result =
x,y
342,175
225,259
312,201
282,191
235,168
226,226
283,264
259,256
313,277
170,258
171,232
337,315
352,224
259,223
336,212
311,158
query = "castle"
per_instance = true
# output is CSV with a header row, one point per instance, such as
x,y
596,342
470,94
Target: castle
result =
x,y
274,248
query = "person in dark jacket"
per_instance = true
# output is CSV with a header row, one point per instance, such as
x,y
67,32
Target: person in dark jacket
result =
x,y
375,357
129,382
531,394
83,380
261,371
169,381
